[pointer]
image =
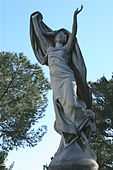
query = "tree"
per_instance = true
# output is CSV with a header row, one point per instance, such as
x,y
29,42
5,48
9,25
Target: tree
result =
x,y
3,156
103,106
23,100
103,99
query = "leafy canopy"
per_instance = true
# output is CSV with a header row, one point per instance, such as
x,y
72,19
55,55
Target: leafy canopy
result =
x,y
103,106
23,100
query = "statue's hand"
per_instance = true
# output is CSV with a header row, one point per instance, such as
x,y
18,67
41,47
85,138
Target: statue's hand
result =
x,y
77,11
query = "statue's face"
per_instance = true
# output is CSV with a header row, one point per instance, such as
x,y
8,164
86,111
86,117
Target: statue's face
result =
x,y
61,37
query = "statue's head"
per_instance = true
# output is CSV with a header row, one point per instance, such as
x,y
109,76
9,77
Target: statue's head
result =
x,y
61,36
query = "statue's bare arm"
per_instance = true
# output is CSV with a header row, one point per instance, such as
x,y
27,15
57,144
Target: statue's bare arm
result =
x,y
72,36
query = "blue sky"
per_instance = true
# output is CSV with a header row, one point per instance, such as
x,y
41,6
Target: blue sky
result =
x,y
95,35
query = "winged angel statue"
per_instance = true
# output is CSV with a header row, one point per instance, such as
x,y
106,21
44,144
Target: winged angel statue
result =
x,y
60,51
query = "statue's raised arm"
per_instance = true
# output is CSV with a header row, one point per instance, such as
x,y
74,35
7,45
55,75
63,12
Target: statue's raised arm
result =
x,y
74,29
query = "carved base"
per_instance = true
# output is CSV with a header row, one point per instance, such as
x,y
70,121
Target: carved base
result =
x,y
73,157
92,166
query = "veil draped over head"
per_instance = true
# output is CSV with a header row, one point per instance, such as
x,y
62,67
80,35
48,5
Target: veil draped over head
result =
x,y
40,35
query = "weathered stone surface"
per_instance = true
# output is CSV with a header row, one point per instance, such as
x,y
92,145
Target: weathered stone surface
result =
x,y
60,51
73,157
75,167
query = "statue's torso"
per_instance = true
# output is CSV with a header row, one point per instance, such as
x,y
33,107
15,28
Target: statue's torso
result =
x,y
58,62
60,73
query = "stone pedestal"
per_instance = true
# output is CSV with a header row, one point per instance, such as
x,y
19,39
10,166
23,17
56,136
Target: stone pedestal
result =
x,y
91,166
75,156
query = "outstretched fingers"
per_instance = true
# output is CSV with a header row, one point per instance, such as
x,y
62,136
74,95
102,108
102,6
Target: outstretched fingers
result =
x,y
77,11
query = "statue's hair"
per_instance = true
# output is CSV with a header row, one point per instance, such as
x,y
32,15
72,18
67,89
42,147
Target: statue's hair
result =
x,y
62,30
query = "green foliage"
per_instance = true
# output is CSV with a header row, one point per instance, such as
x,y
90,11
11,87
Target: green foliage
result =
x,y
3,156
103,151
23,100
103,106
103,99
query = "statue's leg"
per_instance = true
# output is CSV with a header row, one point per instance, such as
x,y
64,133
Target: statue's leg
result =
x,y
70,112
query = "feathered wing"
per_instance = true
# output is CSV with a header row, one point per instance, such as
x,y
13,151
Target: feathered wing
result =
x,y
39,41
80,72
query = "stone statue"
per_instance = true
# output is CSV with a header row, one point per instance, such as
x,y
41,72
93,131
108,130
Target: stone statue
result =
x,y
75,121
